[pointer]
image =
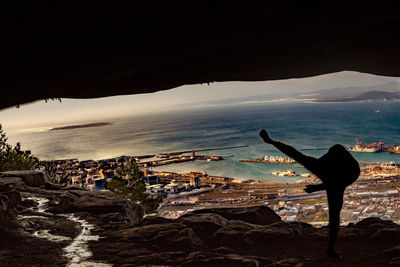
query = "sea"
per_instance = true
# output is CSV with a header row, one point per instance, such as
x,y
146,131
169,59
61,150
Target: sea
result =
x,y
315,126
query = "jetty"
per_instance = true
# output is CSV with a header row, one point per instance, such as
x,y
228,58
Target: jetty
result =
x,y
202,149
177,157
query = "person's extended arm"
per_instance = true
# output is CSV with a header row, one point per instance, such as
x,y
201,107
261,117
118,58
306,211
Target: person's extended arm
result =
x,y
314,188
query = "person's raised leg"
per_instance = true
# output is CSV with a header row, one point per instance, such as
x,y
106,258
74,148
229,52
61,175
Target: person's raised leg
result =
x,y
309,163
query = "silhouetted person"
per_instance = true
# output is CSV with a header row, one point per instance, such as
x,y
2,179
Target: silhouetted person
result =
x,y
337,169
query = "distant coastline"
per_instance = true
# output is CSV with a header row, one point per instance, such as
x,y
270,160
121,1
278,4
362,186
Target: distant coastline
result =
x,y
77,126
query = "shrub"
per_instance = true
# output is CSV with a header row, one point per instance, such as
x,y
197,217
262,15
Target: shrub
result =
x,y
14,158
132,187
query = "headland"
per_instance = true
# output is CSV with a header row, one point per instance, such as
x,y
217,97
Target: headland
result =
x,y
77,126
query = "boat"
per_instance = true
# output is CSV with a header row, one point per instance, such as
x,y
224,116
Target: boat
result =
x,y
371,148
394,149
271,159
377,111
289,172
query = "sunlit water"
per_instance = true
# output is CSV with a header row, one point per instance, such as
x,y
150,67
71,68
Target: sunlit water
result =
x,y
303,125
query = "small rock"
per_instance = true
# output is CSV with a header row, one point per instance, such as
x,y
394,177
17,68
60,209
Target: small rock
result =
x,y
392,252
386,235
395,262
52,186
65,203
370,222
226,260
270,236
204,225
197,255
185,240
155,220
134,212
228,237
260,215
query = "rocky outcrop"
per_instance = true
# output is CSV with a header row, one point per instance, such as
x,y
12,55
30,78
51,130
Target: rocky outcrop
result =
x,y
37,225
255,215
103,204
31,178
9,200
253,236
162,45
206,238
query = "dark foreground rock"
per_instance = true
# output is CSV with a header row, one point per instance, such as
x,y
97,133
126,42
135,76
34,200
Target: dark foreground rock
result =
x,y
37,225
253,236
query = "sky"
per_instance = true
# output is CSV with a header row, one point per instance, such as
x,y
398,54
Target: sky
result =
x,y
54,113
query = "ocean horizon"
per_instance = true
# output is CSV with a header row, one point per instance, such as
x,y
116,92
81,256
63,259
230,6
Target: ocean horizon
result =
x,y
302,125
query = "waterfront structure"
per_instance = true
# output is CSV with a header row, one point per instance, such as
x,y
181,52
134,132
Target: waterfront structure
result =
x,y
271,159
151,179
371,148
194,180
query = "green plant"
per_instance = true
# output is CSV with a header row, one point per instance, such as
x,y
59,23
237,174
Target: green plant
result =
x,y
132,187
14,158
130,171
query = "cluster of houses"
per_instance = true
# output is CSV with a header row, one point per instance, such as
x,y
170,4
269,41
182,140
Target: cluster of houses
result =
x,y
190,189
93,174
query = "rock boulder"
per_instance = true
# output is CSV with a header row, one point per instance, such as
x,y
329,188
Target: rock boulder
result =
x,y
31,178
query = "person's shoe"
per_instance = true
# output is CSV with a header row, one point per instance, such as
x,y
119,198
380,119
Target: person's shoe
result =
x,y
331,253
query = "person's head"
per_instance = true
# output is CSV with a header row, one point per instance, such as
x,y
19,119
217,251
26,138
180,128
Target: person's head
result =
x,y
341,164
336,149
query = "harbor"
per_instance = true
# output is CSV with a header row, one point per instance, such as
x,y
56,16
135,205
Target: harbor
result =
x,y
375,193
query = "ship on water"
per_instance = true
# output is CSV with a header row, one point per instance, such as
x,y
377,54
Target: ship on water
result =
x,y
371,148
394,149
289,172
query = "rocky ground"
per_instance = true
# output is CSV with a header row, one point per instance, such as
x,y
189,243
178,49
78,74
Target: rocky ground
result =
x,y
38,227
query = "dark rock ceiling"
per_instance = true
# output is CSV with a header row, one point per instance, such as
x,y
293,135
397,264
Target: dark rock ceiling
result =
x,y
103,48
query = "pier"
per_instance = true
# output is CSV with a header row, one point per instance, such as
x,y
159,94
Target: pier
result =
x,y
175,156
202,149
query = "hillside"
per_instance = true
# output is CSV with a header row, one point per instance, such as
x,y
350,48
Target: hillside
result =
x,y
371,95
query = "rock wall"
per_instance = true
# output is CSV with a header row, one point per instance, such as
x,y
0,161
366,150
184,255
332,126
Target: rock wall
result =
x,y
106,48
